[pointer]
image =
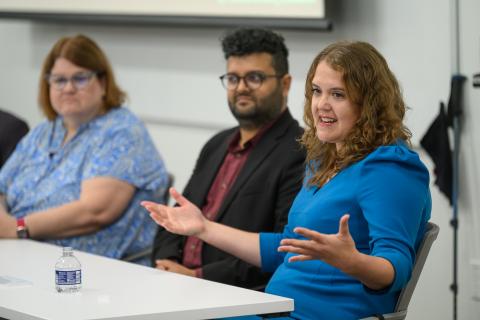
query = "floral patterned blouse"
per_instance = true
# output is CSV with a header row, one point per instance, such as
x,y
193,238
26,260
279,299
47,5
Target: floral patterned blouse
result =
x,y
41,174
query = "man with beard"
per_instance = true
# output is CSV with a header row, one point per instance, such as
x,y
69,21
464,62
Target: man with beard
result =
x,y
247,176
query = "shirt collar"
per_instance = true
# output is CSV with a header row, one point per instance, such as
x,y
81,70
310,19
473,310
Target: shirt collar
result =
x,y
234,147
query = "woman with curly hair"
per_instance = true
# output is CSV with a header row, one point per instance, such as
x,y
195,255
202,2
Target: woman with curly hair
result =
x,y
353,229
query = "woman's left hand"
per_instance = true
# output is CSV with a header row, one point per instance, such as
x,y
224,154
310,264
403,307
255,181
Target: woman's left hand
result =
x,y
337,250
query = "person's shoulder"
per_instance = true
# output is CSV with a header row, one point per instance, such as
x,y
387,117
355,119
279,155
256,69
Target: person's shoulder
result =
x,y
289,136
294,130
8,117
10,122
120,126
120,119
396,170
397,155
221,136
37,135
288,124
398,151
122,115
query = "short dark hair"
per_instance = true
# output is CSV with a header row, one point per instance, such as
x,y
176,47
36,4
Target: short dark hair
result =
x,y
245,41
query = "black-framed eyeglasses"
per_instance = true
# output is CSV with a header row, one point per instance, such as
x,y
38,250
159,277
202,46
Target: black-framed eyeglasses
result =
x,y
79,80
253,80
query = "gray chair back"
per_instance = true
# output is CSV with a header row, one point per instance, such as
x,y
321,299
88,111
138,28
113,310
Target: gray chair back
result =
x,y
405,296
423,249
146,252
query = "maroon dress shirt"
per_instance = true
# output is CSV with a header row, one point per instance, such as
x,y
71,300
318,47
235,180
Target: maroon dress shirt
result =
x,y
226,176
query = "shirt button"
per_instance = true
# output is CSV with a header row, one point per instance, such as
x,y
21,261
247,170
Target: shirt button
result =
x,y
192,247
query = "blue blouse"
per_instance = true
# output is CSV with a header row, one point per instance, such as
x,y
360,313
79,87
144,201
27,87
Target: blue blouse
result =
x,y
42,174
387,196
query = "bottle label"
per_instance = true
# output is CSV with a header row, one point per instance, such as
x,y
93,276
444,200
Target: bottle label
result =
x,y
68,277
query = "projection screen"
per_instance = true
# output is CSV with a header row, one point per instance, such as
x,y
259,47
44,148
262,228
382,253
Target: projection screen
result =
x,y
266,12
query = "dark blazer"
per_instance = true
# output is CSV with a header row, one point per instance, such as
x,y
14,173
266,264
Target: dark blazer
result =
x,y
12,129
259,200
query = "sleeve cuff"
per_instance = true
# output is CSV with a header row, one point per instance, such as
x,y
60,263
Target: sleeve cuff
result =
x,y
269,255
402,272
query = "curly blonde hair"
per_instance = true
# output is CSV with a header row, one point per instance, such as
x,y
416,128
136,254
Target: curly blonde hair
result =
x,y
370,84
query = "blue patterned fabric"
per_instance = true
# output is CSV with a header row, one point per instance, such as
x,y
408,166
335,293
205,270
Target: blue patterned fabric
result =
x,y
388,198
42,174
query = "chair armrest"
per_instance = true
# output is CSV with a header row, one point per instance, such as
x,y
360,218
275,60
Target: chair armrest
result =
x,y
137,255
399,315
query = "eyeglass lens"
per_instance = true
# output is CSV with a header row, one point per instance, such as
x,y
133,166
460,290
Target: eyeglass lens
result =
x,y
253,80
78,80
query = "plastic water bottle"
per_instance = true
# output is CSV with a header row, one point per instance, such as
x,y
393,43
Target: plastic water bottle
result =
x,y
68,272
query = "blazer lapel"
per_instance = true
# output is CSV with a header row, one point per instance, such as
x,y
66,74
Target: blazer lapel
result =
x,y
266,144
205,179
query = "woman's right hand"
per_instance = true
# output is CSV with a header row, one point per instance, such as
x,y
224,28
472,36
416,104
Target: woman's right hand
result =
x,y
186,219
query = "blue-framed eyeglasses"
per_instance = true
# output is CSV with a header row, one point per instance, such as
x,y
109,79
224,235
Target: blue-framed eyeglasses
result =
x,y
79,80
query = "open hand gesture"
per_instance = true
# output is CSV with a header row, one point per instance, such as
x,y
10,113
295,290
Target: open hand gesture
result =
x,y
337,250
186,219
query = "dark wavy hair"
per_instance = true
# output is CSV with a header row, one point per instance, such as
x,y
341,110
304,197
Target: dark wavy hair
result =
x,y
370,84
245,41
83,52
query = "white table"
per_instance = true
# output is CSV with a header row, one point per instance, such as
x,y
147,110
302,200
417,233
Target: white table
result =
x,y
115,289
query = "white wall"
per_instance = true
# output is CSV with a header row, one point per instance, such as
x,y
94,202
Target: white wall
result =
x,y
171,75
469,200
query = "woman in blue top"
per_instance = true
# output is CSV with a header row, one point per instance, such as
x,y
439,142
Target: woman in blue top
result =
x,y
349,245
77,179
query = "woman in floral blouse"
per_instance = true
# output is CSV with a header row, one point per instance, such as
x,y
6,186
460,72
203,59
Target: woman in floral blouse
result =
x,y
77,179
